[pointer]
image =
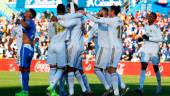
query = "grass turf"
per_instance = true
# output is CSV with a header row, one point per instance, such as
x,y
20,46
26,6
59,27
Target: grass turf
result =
x,y
9,84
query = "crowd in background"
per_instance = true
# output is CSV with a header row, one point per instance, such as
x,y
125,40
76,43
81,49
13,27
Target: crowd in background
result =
x,y
133,25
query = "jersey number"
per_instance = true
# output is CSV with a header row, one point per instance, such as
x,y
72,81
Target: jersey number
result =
x,y
119,30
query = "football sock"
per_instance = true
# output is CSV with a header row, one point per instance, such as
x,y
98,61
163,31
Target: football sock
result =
x,y
158,76
142,79
51,75
25,80
115,83
86,83
121,83
102,78
57,77
71,83
80,80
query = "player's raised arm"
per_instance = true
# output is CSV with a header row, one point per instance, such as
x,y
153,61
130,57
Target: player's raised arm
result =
x,y
92,32
67,24
51,29
100,20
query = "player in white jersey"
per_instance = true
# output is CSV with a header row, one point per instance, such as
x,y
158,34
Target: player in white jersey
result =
x,y
57,57
16,32
149,52
115,49
75,48
56,52
103,49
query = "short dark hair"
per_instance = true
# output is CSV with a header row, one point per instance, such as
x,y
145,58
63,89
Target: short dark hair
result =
x,y
117,9
61,8
75,6
154,15
105,9
33,13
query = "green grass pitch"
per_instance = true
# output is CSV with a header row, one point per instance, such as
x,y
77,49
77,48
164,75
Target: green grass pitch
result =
x,y
9,84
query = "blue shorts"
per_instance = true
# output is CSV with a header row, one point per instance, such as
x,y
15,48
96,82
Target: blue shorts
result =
x,y
26,55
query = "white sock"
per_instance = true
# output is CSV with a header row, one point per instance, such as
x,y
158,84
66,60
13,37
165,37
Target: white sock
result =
x,y
102,78
51,75
86,83
57,77
108,79
61,86
80,80
71,83
20,78
115,83
142,79
121,83
158,77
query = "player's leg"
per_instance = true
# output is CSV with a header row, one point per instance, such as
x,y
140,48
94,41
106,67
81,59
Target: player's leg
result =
x,y
52,61
26,54
116,60
86,83
144,63
111,70
99,70
62,91
155,62
71,69
18,62
78,75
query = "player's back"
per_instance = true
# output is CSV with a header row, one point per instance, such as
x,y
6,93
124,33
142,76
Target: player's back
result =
x,y
102,35
57,32
115,32
76,31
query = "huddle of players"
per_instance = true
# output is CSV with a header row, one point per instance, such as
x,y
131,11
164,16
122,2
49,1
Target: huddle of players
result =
x,y
66,46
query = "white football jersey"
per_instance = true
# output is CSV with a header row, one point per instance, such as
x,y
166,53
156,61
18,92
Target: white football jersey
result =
x,y
73,22
154,33
115,29
17,32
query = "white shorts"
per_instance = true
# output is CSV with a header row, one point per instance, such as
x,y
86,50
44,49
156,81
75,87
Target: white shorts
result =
x,y
150,53
74,55
57,54
102,57
115,57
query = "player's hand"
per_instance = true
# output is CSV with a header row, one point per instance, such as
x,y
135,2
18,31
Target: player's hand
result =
x,y
35,41
145,37
82,12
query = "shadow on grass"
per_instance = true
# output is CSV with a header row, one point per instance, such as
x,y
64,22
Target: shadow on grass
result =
x,y
98,89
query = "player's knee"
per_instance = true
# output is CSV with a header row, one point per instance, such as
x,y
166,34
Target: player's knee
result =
x,y
156,68
144,65
111,70
23,69
70,69
97,69
53,66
